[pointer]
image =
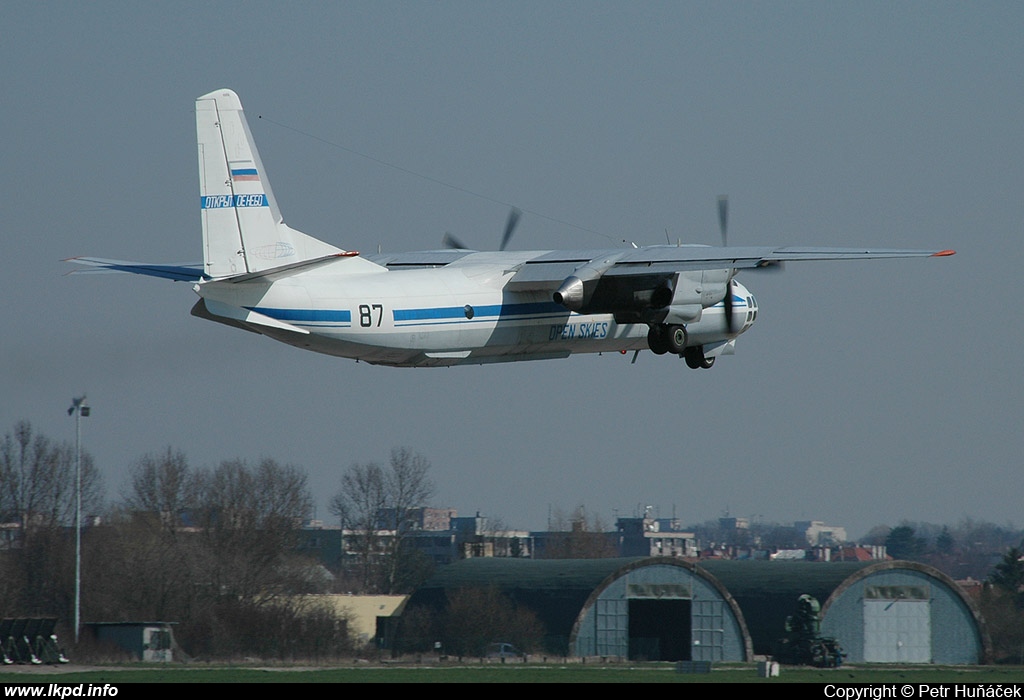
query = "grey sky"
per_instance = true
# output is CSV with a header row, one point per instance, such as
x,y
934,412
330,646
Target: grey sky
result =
x,y
866,392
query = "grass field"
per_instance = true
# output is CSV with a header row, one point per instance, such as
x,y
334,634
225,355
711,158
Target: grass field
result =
x,y
518,673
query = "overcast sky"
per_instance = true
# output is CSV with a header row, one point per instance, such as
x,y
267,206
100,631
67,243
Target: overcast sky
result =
x,y
866,393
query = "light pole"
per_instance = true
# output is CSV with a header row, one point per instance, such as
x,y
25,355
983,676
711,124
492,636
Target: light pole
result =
x,y
81,411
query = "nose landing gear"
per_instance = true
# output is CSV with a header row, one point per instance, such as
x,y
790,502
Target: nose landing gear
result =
x,y
695,358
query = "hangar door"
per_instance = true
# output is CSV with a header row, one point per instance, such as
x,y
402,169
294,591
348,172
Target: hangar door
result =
x,y
659,630
661,622
897,624
667,624
652,623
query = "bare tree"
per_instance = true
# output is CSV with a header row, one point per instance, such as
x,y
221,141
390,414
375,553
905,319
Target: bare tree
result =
x,y
158,560
358,505
37,480
163,485
213,549
136,567
376,506
409,488
37,494
250,519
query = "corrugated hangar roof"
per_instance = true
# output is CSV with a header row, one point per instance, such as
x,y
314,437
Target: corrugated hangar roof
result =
x,y
565,574
563,593
555,589
767,593
885,612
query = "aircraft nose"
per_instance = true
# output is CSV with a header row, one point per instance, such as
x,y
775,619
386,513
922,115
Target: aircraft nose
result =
x,y
746,310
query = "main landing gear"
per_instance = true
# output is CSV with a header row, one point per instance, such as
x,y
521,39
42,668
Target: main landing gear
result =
x,y
663,338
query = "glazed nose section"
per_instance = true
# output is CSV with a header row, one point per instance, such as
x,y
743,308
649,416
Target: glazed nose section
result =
x,y
745,311
751,311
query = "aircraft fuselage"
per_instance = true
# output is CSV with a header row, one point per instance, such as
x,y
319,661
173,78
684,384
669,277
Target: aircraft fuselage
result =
x,y
461,313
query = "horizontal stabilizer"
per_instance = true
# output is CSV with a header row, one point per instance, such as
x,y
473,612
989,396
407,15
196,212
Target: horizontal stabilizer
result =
x,y
183,272
276,273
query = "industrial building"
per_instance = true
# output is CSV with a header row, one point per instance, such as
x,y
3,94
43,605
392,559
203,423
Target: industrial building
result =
x,y
720,610
883,612
651,608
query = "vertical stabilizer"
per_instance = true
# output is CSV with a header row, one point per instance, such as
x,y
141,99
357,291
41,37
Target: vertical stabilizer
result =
x,y
242,227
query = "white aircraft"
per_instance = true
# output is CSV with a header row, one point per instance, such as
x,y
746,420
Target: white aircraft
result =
x,y
453,306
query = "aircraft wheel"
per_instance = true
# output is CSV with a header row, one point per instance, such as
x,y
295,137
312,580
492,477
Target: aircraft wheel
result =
x,y
694,357
676,337
657,341
707,363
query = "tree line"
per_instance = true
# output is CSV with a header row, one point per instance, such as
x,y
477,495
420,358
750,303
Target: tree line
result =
x,y
213,549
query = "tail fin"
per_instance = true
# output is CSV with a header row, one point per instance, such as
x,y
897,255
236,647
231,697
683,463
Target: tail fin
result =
x,y
243,231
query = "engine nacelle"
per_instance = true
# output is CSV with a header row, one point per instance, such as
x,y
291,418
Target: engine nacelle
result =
x,y
571,294
656,299
683,299
576,290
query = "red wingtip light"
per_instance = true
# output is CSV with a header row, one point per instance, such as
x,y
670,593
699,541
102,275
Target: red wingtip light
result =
x,y
943,253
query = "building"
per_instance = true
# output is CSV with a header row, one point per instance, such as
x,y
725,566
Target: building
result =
x,y
422,518
660,608
362,613
144,641
650,537
819,534
645,608
881,612
437,533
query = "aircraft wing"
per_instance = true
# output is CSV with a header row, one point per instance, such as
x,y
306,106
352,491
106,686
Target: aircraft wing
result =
x,y
184,272
420,259
553,267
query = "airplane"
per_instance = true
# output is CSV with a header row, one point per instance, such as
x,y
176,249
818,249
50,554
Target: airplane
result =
x,y
452,306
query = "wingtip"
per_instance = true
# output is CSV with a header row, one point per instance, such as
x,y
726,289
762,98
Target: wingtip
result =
x,y
943,253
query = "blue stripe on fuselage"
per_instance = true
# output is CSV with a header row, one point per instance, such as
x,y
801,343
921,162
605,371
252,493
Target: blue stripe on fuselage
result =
x,y
323,316
489,312
421,317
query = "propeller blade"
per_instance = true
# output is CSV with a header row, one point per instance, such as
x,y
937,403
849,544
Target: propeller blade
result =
x,y
729,323
450,241
510,227
723,217
723,229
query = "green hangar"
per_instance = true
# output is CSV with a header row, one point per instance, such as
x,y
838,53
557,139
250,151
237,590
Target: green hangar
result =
x,y
651,608
880,612
719,610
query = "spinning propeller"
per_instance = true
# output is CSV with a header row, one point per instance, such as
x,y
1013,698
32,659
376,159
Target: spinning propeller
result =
x,y
451,241
723,228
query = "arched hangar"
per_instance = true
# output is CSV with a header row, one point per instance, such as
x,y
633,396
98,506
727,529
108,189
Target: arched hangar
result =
x,y
650,608
882,612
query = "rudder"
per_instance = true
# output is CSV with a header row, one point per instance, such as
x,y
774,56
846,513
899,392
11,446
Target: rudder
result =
x,y
243,230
